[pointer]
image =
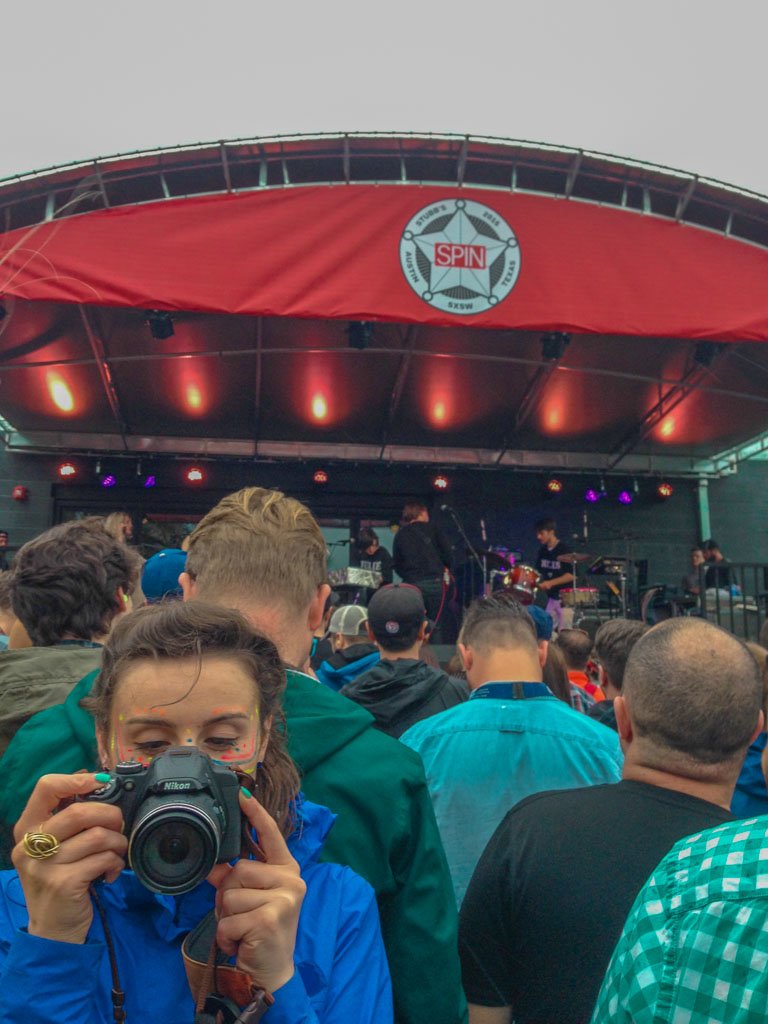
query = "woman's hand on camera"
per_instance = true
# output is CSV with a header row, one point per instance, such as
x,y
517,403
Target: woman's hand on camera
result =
x,y
92,846
258,904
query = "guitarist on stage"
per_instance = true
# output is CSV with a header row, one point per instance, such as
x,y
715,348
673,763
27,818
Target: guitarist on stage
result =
x,y
422,557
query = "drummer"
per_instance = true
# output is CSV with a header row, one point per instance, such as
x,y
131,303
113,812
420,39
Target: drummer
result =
x,y
554,573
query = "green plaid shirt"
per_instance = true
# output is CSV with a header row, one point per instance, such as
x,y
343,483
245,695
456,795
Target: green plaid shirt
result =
x,y
695,945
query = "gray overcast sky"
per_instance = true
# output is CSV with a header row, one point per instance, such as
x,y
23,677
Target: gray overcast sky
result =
x,y
675,82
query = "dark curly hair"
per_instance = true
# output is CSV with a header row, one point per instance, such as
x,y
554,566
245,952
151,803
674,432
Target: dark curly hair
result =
x,y
65,582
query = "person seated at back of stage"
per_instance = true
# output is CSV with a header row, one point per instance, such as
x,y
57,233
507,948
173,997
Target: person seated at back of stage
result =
x,y
401,689
367,553
576,646
510,739
692,579
563,868
614,641
718,574
751,794
68,587
353,652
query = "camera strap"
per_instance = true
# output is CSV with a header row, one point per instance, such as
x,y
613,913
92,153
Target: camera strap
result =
x,y
223,993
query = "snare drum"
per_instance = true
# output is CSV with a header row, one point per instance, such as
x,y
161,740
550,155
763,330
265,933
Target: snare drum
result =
x,y
521,582
579,597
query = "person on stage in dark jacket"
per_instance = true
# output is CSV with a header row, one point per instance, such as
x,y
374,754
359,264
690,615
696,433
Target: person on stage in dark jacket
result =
x,y
401,689
353,652
367,553
422,557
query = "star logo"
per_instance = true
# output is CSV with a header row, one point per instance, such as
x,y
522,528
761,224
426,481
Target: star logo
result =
x,y
460,256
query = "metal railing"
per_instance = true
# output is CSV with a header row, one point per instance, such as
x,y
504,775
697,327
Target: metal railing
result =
x,y
737,598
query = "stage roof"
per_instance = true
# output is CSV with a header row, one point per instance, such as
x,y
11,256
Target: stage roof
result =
x,y
511,304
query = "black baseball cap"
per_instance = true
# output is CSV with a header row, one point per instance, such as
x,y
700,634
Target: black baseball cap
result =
x,y
396,609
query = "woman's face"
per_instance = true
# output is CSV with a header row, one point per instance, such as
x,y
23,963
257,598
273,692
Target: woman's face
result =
x,y
211,705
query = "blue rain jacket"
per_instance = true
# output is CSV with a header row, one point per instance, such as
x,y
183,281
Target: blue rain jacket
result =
x,y
344,666
341,968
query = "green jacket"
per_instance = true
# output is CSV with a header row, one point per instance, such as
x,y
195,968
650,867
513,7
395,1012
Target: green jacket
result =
x,y
385,829
34,678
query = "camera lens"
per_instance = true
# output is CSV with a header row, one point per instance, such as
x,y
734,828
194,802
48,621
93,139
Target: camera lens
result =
x,y
173,848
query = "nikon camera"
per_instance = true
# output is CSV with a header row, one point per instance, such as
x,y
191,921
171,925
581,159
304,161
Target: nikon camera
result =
x,y
182,816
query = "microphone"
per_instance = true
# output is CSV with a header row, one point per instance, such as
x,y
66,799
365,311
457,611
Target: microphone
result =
x,y
446,508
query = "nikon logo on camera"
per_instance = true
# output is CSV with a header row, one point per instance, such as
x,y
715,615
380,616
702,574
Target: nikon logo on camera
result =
x,y
183,787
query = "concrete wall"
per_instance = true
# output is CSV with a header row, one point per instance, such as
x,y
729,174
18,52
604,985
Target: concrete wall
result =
x,y
738,508
24,520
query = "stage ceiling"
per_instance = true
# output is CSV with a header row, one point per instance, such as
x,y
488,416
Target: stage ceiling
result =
x,y
444,300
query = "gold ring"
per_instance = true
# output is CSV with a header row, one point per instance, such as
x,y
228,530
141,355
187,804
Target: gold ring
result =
x,y
40,845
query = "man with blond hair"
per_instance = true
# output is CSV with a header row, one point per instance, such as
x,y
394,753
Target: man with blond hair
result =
x,y
264,554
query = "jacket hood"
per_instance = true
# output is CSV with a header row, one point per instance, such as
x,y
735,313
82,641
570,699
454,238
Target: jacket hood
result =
x,y
342,661
394,686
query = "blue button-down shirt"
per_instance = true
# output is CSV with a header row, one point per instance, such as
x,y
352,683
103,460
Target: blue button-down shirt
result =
x,y
505,743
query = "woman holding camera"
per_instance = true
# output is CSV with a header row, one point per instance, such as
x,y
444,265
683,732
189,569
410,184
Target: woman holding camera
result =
x,y
82,940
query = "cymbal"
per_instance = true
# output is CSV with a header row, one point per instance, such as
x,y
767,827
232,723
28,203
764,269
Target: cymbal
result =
x,y
494,560
573,556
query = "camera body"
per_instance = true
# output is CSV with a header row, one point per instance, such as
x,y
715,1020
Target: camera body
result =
x,y
182,816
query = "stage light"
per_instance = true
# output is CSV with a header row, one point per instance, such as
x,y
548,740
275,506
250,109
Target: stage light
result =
x,y
194,397
195,475
554,486
66,469
553,345
667,427
592,496
320,477
160,325
440,482
319,407
625,498
665,490
360,334
439,412
108,481
60,394
150,481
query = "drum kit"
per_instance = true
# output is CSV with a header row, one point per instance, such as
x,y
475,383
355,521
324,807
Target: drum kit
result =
x,y
522,581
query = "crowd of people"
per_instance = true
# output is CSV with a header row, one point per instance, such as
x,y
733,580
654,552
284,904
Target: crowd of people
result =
x,y
562,824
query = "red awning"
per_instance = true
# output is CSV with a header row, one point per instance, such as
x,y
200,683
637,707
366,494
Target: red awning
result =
x,y
405,254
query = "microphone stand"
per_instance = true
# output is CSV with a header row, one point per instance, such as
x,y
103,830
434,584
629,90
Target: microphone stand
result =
x,y
482,562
